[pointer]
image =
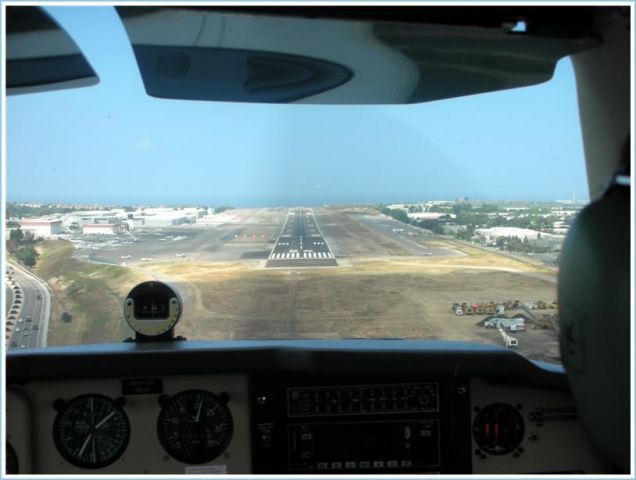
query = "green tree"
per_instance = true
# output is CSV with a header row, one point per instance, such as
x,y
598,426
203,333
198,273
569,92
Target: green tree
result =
x,y
29,238
432,225
488,208
467,233
27,256
461,207
16,235
222,208
399,214
438,209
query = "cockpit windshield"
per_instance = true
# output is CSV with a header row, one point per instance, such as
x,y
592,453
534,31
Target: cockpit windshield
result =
x,y
439,220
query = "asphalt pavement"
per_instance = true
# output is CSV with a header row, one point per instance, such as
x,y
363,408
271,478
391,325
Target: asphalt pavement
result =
x,y
301,243
28,327
8,294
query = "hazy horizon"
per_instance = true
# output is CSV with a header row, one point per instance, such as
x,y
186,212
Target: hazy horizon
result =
x,y
289,205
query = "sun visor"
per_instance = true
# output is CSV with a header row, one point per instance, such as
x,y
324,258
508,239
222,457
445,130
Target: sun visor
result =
x,y
282,56
457,61
41,56
231,75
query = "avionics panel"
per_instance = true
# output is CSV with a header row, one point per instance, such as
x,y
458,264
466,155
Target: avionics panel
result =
x,y
364,446
362,399
364,428
360,424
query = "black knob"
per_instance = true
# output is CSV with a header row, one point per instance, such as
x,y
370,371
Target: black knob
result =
x,y
58,404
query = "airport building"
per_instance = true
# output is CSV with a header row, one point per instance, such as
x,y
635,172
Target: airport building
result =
x,y
42,227
534,237
430,215
101,228
92,217
129,220
496,232
167,219
134,222
163,220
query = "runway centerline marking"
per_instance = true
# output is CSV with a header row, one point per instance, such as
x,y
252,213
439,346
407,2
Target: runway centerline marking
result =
x,y
291,249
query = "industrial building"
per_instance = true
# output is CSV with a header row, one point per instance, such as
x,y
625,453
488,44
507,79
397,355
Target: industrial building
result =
x,y
101,228
165,217
491,234
81,218
166,220
42,227
430,215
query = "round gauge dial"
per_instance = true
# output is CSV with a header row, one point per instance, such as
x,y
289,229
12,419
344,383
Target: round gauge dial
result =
x,y
498,429
12,464
91,431
194,426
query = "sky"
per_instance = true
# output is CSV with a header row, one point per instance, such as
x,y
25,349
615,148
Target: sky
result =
x,y
113,144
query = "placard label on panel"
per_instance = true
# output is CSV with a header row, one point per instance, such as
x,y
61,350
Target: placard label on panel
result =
x,y
141,386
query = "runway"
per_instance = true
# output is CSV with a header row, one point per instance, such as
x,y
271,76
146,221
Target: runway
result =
x,y
301,243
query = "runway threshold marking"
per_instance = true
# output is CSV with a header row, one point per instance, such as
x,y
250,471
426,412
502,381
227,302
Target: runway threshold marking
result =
x,y
301,242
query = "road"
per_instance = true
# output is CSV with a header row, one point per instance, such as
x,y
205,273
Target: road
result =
x,y
34,310
8,295
301,243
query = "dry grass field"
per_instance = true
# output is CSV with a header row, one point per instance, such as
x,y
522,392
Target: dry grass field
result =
x,y
92,294
371,298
